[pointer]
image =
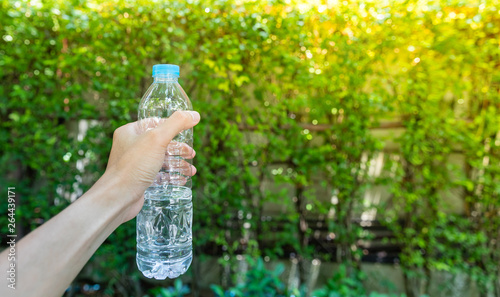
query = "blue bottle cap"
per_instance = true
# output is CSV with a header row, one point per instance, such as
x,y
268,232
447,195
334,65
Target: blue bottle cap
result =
x,y
164,69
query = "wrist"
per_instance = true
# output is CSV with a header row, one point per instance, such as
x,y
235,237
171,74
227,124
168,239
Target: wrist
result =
x,y
121,195
110,194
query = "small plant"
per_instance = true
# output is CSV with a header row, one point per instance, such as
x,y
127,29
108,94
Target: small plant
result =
x,y
258,282
178,290
343,285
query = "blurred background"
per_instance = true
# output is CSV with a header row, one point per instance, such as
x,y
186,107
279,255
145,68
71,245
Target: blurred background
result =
x,y
346,148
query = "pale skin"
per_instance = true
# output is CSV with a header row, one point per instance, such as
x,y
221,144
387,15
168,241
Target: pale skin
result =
x,y
50,257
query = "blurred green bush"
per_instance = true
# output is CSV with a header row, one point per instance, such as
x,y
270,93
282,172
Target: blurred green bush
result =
x,y
293,96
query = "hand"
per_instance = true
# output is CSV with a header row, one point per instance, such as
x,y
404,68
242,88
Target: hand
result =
x,y
54,253
136,157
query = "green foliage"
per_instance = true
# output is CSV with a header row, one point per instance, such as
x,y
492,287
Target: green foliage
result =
x,y
259,282
292,95
178,290
342,285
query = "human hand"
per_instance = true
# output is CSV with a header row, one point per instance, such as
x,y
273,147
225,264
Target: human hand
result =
x,y
136,157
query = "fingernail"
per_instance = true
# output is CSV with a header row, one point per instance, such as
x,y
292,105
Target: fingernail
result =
x,y
195,115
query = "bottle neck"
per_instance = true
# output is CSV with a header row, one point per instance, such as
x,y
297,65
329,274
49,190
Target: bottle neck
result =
x,y
165,78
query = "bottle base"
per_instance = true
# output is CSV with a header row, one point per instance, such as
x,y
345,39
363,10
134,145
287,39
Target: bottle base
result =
x,y
153,268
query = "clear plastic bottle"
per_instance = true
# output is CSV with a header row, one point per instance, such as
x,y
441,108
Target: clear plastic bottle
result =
x,y
164,235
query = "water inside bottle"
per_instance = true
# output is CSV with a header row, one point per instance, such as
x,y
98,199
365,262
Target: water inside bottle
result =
x,y
164,236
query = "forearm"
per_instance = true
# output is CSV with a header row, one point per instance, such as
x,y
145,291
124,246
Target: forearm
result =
x,y
50,257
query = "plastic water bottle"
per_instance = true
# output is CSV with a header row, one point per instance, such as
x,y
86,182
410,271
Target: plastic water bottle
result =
x,y
164,235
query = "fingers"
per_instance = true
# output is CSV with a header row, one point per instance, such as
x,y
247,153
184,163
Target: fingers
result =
x,y
168,128
183,150
178,166
170,179
175,175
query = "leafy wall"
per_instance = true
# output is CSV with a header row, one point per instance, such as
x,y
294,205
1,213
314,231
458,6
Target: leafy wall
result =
x,y
293,97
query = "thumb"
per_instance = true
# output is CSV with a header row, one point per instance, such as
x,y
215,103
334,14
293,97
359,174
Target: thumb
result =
x,y
176,123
